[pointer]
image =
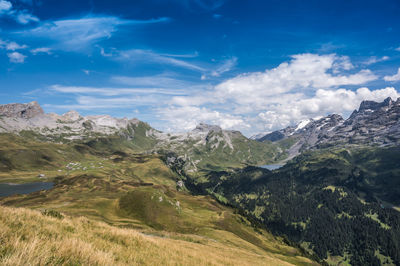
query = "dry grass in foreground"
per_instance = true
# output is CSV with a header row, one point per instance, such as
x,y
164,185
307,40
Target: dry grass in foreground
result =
x,y
29,238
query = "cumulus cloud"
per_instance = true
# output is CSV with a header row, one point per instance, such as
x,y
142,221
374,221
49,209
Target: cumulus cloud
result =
x,y
304,72
16,57
309,85
395,77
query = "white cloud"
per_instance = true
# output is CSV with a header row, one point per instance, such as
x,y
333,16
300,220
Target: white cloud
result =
x,y
16,57
78,34
41,50
397,49
395,77
5,6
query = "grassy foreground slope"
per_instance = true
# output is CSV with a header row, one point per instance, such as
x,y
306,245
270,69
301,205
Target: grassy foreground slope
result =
x,y
28,237
149,218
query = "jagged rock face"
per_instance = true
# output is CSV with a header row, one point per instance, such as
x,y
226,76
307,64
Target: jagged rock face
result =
x,y
373,123
21,110
377,123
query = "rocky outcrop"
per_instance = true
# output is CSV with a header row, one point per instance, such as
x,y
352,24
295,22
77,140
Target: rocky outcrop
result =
x,y
202,127
21,110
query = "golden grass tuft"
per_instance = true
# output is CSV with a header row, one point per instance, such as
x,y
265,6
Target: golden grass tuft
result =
x,y
29,238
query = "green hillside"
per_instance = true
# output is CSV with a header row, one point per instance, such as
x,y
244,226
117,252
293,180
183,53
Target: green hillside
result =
x,y
342,204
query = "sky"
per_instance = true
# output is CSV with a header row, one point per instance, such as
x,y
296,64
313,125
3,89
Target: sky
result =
x,y
253,66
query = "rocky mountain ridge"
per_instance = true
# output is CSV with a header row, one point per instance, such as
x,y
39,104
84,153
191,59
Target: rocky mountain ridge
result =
x,y
30,116
207,145
204,146
372,124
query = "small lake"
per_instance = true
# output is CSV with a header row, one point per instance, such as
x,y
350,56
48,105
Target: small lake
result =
x,y
11,189
271,166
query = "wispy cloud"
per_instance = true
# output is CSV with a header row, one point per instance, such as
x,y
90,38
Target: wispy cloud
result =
x,y
23,17
20,16
11,46
217,16
153,81
80,33
91,98
150,56
208,5
41,50
114,91
104,103
374,60
226,66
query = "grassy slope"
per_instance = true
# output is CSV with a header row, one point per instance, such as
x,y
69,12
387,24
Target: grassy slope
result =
x,y
28,237
124,189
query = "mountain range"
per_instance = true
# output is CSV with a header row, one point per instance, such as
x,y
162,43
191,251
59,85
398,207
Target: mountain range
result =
x,y
372,124
335,200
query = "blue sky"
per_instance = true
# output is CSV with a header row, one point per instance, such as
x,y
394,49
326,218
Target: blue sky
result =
x,y
252,65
